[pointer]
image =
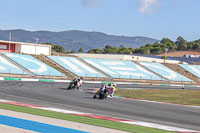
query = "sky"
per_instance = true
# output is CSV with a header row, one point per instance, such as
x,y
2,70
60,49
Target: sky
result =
x,y
150,18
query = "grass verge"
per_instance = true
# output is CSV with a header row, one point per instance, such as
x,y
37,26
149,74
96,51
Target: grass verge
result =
x,y
81,119
186,97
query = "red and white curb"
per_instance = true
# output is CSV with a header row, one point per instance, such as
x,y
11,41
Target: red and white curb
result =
x,y
140,123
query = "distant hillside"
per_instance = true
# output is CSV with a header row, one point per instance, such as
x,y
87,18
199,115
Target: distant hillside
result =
x,y
74,39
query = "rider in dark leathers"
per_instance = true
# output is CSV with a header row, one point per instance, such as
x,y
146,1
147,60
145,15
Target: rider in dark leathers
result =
x,y
109,88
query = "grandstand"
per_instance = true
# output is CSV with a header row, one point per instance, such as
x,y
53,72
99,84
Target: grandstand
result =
x,y
93,68
75,66
108,67
33,65
121,69
164,71
194,69
7,67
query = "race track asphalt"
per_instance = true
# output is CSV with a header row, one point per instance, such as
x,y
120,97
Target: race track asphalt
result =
x,y
55,95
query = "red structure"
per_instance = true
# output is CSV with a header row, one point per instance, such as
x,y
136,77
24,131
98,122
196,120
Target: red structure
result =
x,y
7,47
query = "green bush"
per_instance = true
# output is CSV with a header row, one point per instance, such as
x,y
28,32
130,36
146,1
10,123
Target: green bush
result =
x,y
163,57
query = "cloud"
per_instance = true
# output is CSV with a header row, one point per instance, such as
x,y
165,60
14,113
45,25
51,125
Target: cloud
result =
x,y
90,3
148,6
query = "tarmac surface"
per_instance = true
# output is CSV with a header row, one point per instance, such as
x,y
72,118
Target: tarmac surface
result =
x,y
55,95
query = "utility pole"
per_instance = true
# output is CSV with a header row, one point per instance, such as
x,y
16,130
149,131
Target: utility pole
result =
x,y
36,41
166,49
9,42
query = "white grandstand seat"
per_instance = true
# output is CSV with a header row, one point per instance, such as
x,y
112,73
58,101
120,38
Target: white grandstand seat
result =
x,y
164,71
8,67
76,66
121,69
35,66
194,69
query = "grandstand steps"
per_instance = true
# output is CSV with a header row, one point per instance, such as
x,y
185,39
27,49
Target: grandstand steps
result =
x,y
94,67
18,65
183,72
163,78
46,60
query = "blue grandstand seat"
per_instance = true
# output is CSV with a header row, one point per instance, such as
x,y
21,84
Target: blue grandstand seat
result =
x,y
76,66
121,69
35,66
194,69
164,71
8,67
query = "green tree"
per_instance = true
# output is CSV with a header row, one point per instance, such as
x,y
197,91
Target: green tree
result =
x,y
132,50
181,43
80,50
196,47
72,51
190,45
95,51
121,46
168,44
138,51
159,50
57,48
108,47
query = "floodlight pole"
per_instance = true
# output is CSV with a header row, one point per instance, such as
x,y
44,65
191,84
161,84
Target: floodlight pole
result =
x,y
9,42
166,49
36,41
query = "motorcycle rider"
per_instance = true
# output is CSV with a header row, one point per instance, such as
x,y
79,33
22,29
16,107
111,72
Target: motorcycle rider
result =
x,y
103,86
113,86
77,82
80,82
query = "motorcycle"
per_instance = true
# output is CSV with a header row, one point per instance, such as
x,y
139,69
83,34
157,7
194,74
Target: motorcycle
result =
x,y
75,84
103,92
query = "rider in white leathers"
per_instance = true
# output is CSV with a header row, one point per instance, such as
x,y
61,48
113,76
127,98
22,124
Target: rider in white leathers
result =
x,y
77,82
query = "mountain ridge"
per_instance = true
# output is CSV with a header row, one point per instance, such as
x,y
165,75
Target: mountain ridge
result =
x,y
75,39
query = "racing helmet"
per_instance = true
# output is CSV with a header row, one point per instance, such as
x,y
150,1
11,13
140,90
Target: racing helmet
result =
x,y
114,84
109,84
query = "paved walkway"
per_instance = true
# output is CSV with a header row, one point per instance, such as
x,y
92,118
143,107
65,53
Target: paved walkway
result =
x,y
46,120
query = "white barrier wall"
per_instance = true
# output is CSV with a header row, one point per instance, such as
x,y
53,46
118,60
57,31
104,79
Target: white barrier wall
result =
x,y
35,49
28,49
125,57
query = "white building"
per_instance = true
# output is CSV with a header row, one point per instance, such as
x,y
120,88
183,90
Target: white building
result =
x,y
26,48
